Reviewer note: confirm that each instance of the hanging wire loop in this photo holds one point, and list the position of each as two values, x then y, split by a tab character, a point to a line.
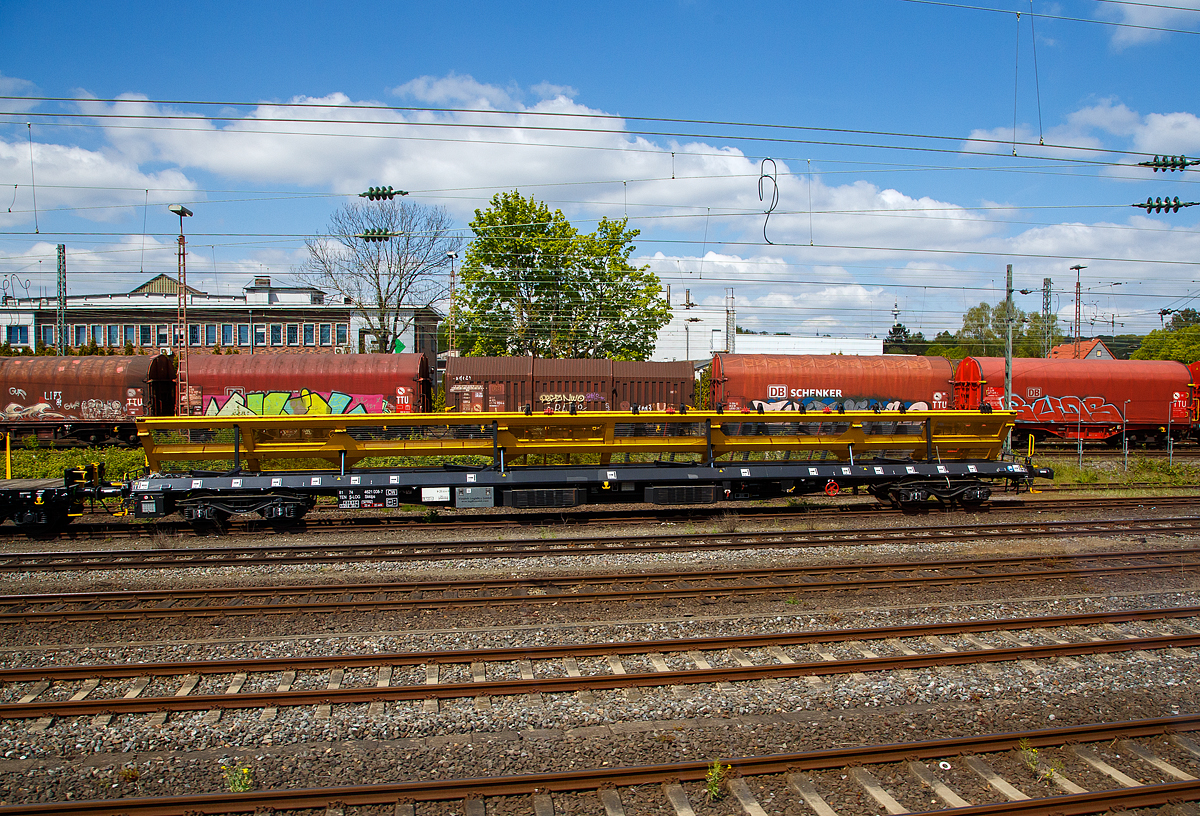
773	177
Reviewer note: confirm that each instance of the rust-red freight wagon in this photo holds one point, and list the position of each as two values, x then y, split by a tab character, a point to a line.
818	382
486	384
84	400
1084	399
272	384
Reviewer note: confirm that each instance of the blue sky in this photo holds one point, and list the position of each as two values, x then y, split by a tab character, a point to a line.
890	124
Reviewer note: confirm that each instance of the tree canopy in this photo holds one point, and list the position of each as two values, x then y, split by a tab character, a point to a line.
983	334
533	284
901	341
382	280
1181	344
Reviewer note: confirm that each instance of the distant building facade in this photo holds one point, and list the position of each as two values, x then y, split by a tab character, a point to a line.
264	319
697	332
1088	350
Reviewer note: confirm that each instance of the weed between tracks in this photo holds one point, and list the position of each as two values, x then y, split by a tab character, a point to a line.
716	780
1042	770
238	778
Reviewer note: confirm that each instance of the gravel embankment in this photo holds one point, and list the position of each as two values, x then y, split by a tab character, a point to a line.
75	758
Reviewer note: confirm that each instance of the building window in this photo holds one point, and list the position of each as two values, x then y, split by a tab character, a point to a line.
343	334
226	334
17	335
260	336
326	334
193	334
243	334
48	335
80	335
146	335
210	334
97	334
114	335
310	334
161	336
293	334
130	333
276	334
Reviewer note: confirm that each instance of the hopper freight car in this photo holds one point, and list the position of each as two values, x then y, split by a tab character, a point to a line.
1093	400
277	384
811	382
492	384
84	400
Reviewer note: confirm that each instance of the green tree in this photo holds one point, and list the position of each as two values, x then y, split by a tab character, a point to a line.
984	330
532	284
901	341
1164	344
1032	339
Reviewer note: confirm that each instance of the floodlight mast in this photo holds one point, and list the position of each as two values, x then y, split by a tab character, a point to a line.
180	339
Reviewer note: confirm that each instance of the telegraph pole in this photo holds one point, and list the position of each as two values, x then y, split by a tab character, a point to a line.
181	328
1076	269
1047	327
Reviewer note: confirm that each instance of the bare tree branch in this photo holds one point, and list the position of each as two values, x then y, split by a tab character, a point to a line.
383	280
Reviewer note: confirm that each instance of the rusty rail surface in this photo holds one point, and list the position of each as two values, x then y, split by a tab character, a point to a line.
443	691
604	778
594	588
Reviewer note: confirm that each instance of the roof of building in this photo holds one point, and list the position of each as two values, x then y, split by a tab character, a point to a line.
1066	351
162	285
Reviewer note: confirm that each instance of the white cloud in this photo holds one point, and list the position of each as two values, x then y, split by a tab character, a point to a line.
547	90
458	91
1094	127
13	86
91	184
1180	14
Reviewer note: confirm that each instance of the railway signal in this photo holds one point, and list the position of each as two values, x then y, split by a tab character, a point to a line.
1167	204
1170	163
380	234
380	193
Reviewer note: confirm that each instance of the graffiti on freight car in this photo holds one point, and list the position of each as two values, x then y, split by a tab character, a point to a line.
40	410
273	403
100	409
831	405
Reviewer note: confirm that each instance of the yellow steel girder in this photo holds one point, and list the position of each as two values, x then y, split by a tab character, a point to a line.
345	440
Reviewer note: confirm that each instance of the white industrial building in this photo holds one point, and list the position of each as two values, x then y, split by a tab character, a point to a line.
697	332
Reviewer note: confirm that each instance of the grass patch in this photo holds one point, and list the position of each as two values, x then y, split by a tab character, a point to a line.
1142	470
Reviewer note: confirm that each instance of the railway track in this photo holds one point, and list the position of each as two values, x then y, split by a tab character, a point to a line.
96	690
167	531
604	543
370	598
975	775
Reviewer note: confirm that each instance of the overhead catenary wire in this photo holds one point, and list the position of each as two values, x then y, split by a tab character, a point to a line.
568	116
1045	16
